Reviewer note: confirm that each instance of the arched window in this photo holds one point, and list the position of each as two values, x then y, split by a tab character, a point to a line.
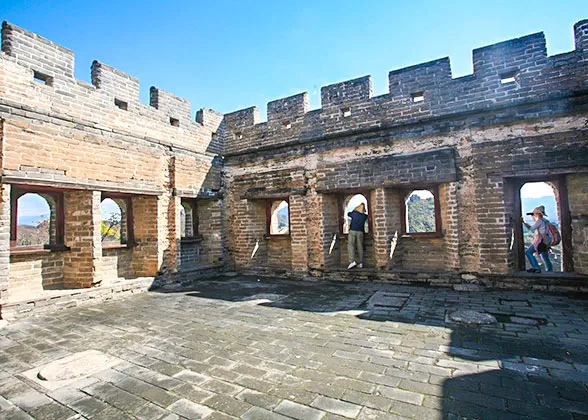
188	218
421	208
36	217
350	203
116	225
111	223
278	217
33	223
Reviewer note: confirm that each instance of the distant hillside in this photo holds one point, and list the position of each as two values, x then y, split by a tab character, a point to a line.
421	214
30	235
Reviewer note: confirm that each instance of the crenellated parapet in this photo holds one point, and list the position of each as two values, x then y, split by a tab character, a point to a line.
42	72
506	74
115	82
37	53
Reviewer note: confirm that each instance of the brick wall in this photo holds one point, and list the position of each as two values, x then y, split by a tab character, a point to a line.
30	275
578	196
536	77
87	139
81	265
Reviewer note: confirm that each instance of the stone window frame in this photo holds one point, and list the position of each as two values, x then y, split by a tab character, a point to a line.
55	201
268	218
341	201
127	239
195	237
404	194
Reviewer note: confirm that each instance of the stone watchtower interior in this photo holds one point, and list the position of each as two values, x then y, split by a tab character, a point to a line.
100	191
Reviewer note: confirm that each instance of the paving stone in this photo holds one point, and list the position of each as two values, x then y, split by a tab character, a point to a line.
191	377
88	407
298	411
258	399
257	413
227	405
30	399
341	408
400	395
189	409
370	414
151	412
221	387
15	414
53	411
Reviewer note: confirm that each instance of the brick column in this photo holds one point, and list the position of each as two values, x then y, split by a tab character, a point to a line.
147	258
82	263
386	221
379	220
4	241
298	234
173	249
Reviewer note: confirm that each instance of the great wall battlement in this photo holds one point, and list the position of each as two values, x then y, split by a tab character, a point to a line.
505	74
201	195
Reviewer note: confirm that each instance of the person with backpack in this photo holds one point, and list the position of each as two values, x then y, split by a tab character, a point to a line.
541	242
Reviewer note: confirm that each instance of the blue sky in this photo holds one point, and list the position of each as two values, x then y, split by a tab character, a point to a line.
229	55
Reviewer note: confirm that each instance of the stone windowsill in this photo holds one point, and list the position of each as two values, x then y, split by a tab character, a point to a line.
27	250
422	235
192	240
277	237
116	245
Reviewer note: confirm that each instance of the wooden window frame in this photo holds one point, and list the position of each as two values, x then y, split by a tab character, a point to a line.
128	199
268	218
341	201
405	193
55	244
196	237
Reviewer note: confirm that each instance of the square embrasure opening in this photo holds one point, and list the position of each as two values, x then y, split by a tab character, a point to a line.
417	97
120	104
42	78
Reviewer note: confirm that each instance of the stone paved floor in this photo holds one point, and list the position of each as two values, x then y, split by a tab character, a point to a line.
249	349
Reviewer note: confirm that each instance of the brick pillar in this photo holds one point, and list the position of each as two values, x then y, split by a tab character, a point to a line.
172	251
386	221
577	186
449	222
298	234
147	258
4	241
81	265
379	220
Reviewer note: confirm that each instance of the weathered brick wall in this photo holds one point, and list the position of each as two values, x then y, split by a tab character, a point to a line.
82	236
330	228
29	275
4	241
466	137
117	262
578	196
66	134
537	77
211	247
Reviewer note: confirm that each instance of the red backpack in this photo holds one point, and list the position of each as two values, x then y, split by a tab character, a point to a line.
552	236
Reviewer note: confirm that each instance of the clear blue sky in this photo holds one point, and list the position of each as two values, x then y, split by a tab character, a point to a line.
229	55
